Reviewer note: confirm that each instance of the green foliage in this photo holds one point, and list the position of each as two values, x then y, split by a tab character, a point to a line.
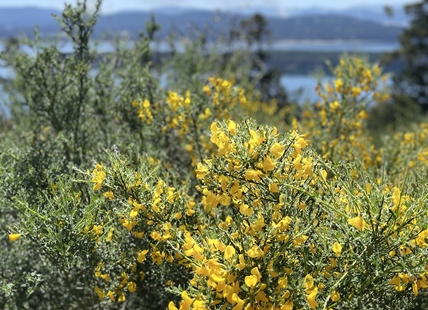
125	184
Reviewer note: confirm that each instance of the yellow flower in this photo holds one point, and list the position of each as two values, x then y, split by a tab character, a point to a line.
308	282
255	272
110	235
251	281
129	224
97	229
121	297
207	90
201	171
255	252
287	306
273	188
259	224
337	248
134	212
268	164
137	234
98	176
146	104
356	91
142	256
99	292
241	264
217	278
311	298
132	287
395	280
109	195
171	306
157	257
261	296
324	174
252	175
106	277
334	106
14	237
283	224
405	250
110	295
338	83
186	301
198	305
357	222
214	128
232	127
277	150
299	240
368	188
239	302
97	186
415	289
335	296
282	283
229	252
396	196
255	140
246	210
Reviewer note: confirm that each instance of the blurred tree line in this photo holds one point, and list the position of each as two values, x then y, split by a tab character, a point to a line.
255	32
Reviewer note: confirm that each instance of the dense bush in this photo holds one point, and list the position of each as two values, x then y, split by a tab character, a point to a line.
119	191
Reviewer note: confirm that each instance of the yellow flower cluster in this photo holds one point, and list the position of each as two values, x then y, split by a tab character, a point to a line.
336	124
144	111
150	211
265	238
412	149
249	176
98	176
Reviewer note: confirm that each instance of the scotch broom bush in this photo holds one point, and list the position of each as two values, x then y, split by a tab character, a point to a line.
119	191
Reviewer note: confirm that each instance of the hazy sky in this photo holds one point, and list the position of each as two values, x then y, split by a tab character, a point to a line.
282	5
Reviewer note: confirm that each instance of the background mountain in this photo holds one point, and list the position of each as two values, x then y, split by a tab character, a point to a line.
359	23
369	13
16	21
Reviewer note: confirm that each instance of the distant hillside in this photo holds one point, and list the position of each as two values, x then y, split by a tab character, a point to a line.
331	27
15	21
374	13
315	27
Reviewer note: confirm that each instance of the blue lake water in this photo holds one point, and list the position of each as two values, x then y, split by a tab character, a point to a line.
301	88
281	45
335	46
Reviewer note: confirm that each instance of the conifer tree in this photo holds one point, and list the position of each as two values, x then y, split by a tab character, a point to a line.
413	80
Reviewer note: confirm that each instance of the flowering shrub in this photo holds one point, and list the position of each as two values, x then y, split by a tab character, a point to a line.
339	131
200	196
281	235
